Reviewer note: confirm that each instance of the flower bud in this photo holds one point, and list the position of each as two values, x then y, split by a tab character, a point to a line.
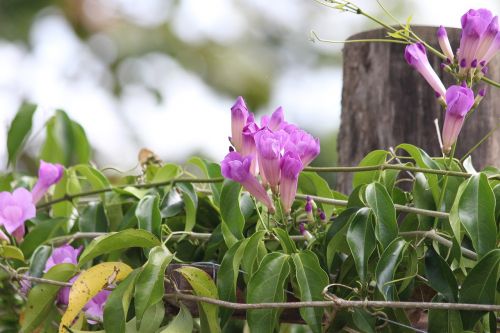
444	43
416	56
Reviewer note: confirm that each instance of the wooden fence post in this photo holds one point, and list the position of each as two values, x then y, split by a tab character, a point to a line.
385	102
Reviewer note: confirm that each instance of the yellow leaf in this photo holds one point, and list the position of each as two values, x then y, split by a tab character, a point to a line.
88	284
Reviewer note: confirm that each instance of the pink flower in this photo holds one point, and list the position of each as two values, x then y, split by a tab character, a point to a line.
444	43
269	149
248	147
290	166
237	168
239	116
474	25
15	209
65	254
459	101
416	56
95	307
305	145
48	175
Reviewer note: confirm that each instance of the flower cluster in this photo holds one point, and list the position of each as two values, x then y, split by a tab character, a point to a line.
275	150
479	43
19	206
66	254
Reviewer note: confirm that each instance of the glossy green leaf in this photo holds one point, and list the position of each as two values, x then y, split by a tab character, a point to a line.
386	268
151	321
183	322
233	221
11	252
40	233
117	241
211	170
41	297
361	239
363	320
440	276
203	285
267	285
479	286
386	227
313	184
148	214
375	157
117	304
422	198
167	172
38	260
190	204
81	146
254	252
335	238
19	130
93	219
311	280
445	321
476	211
496	192
149	286
422	160
95	178
69	184
286	242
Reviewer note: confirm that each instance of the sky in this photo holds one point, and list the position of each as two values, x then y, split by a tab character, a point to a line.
58	70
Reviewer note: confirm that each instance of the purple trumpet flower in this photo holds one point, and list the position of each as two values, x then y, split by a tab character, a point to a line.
269	146
95	307
239	116
416	56
248	147
474	25
444	43
237	168
48	175
459	101
277	120
65	254
15	209
291	166
305	145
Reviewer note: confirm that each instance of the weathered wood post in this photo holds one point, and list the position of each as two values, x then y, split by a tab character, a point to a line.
385	102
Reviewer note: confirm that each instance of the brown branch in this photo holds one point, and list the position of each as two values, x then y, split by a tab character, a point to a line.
336	303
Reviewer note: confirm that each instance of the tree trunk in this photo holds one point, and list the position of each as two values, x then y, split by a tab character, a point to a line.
385	102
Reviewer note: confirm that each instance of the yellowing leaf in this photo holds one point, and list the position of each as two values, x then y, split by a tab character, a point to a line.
88	284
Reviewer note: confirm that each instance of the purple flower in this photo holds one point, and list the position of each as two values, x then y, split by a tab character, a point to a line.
459	101
416	56
444	43
305	145
269	146
65	254
322	215
291	166
239	116
474	25
63	294
48	175
490	43
95	307
248	147
237	168
15	209
304	232
277	120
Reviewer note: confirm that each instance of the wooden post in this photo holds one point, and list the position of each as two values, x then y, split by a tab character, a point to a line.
385	102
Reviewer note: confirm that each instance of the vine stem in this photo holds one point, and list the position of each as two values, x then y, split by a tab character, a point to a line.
336	302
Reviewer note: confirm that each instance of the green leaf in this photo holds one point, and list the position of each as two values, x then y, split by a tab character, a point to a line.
38	260
311	280
190	204
267	285
386	227
117	241
286	243
183	322
375	157
41	297
93	219
254	252
440	276
476	211
233	221
422	198
19	130
81	146
69	184
95	178
211	170
496	192
40	233
227	276
361	239
479	286
11	252
363	320
152	318
117	304
422	160
386	268
149	286
203	285
336	235
149	215
313	184
445	321
167	172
